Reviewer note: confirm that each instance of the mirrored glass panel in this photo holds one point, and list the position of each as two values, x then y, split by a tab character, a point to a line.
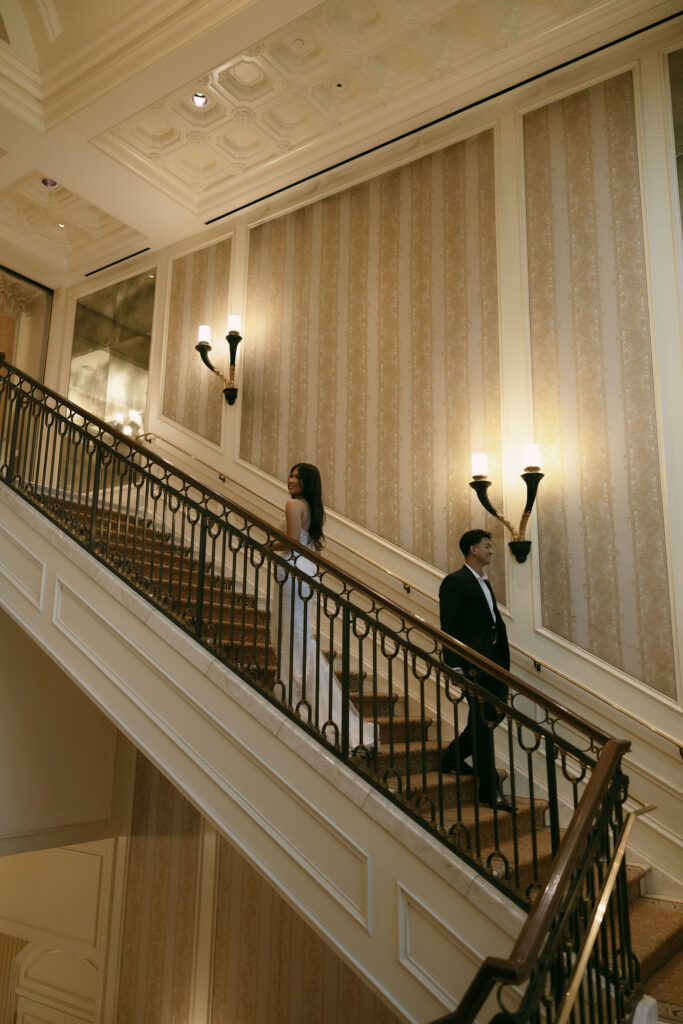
676	79
110	353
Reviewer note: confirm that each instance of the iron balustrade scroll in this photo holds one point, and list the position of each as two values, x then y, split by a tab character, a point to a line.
360	674
573	957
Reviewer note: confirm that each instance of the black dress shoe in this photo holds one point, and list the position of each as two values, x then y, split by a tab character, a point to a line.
497	801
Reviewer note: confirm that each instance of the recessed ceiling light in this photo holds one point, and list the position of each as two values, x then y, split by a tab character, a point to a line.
49	183
199	99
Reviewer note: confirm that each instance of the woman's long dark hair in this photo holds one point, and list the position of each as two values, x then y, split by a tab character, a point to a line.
312	492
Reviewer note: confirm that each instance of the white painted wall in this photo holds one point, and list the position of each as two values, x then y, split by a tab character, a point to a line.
63	764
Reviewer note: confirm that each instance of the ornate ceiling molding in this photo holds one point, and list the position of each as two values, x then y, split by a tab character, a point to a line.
21	90
148	33
68	229
342	77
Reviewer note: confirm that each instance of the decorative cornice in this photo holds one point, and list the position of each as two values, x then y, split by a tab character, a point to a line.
21	90
50	19
141	39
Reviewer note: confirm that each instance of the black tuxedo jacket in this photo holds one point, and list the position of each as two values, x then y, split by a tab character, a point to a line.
465	614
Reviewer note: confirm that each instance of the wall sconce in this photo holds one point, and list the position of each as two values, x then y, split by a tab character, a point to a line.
233	338
532	477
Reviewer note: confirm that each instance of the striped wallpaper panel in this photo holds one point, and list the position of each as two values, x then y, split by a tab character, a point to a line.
10	946
603	565
160	910
267	964
192	396
373	349
271	966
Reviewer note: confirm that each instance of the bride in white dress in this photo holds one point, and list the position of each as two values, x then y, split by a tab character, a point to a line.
314	691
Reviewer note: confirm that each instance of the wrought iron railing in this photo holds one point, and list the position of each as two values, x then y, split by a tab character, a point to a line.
572	959
362	675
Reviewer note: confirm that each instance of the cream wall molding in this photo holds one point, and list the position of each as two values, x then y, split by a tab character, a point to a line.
352	888
51	981
110	961
422	929
187	693
23	570
21	88
49	16
651	705
72	916
663	254
208	911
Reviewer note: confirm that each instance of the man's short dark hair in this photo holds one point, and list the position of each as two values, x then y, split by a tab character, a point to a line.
471	539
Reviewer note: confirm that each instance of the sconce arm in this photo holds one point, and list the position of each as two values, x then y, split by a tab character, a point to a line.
233	339
480	487
204	348
532	478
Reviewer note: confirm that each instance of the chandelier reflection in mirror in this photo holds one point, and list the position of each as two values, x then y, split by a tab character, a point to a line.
109	370
233	338
531	476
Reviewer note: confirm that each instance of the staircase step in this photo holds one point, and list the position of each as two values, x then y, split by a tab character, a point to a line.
495	827
656	932
666	986
384	702
397	756
400	726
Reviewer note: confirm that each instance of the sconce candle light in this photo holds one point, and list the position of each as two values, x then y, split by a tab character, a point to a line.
531	476
233	338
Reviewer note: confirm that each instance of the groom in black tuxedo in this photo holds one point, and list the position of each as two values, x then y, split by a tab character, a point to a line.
470	614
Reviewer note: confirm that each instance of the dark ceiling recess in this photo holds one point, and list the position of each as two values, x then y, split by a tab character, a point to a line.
445	117
114	262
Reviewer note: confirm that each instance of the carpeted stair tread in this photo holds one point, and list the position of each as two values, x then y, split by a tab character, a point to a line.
656	933
666	986
495	826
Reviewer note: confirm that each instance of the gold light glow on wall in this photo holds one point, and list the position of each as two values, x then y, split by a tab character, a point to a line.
531	476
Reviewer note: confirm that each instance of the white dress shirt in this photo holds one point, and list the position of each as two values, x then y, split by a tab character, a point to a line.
482	581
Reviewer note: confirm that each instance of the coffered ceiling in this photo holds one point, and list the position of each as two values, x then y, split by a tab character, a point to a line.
96	95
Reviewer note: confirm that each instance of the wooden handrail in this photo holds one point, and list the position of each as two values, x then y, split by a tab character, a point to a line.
410	587
439	638
518	966
598	916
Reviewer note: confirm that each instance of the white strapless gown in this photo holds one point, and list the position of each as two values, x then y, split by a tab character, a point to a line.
315	692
